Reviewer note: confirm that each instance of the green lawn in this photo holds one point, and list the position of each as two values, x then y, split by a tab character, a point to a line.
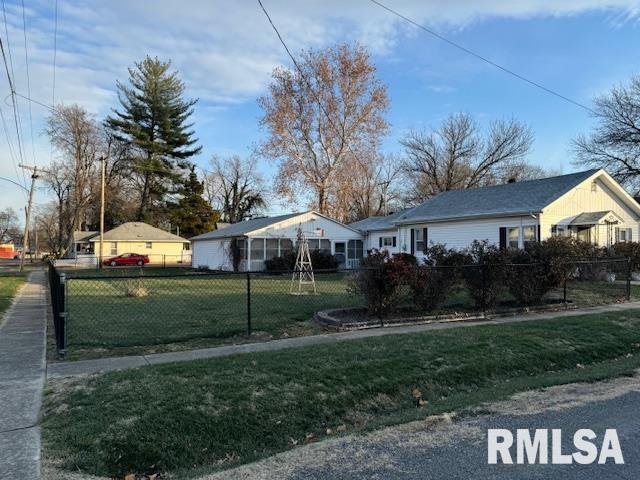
201	310
190	311
9	285
195	417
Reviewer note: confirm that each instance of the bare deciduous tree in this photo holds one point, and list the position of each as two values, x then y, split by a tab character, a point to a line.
615	142
9	226
77	138
457	155
235	188
321	121
374	188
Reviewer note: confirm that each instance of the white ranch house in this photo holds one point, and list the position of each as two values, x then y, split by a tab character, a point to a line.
269	237
588	205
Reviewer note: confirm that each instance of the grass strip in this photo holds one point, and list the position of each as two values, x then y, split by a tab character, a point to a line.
195	417
9	286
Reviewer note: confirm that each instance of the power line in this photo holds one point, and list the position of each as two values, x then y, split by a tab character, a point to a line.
484	59
32	100
10	77
316	97
11	152
55	55
26	61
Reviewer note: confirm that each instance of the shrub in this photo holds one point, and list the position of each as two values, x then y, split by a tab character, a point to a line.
536	270
280	264
430	286
483	273
431	283
379	279
319	260
631	250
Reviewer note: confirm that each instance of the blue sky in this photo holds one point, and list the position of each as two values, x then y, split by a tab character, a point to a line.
225	50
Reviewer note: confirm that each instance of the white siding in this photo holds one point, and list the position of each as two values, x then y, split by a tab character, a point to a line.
587	198
213	254
309	222
460	234
373	240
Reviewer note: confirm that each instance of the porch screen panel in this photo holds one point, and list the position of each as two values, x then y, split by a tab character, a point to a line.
286	246
325	246
272	248
257	249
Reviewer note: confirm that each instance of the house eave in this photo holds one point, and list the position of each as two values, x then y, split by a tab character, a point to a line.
414	221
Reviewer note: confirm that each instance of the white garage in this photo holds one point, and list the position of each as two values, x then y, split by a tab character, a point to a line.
260	239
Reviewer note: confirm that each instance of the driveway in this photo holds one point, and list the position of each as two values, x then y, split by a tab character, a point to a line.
449	448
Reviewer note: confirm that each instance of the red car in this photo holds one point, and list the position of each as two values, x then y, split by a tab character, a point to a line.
127	259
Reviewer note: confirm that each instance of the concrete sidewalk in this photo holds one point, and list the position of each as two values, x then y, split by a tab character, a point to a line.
85	367
22	376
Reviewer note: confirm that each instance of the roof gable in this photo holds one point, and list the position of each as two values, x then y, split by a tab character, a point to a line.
255	225
509	199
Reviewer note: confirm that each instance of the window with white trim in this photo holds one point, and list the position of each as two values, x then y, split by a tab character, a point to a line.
529	234
388	241
513	237
419	238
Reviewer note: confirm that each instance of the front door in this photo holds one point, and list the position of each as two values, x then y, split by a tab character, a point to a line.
340	251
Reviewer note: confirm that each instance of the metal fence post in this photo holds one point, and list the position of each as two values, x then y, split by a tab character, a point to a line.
248	304
628	278
62	331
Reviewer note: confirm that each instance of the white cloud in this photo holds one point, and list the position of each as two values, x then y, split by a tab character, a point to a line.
225	49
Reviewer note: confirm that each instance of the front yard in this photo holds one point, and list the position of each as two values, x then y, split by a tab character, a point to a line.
190	418
179	312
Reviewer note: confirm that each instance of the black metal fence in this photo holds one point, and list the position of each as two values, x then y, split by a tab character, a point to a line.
125	309
58	307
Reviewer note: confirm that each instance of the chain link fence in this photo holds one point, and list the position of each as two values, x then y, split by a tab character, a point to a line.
110	309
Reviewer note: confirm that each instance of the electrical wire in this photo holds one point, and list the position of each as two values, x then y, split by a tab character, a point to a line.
295	63
10	76
55	55
11	151
26	62
482	58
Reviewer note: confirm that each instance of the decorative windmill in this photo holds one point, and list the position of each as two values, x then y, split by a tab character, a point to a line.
303	281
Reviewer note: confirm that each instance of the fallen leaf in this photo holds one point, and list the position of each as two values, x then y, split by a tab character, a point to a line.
130	476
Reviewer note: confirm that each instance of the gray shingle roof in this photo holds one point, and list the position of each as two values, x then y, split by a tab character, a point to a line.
242	228
508	199
380	222
588	218
141	232
80	236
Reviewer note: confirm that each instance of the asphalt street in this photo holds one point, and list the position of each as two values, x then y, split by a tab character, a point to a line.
457	449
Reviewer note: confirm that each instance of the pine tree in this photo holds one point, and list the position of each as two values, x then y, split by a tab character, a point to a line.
153	121
192	213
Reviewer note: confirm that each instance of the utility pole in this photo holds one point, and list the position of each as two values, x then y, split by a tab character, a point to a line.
102	181
25	241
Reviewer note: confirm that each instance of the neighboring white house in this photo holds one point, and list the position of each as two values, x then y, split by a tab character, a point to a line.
265	238
588	205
